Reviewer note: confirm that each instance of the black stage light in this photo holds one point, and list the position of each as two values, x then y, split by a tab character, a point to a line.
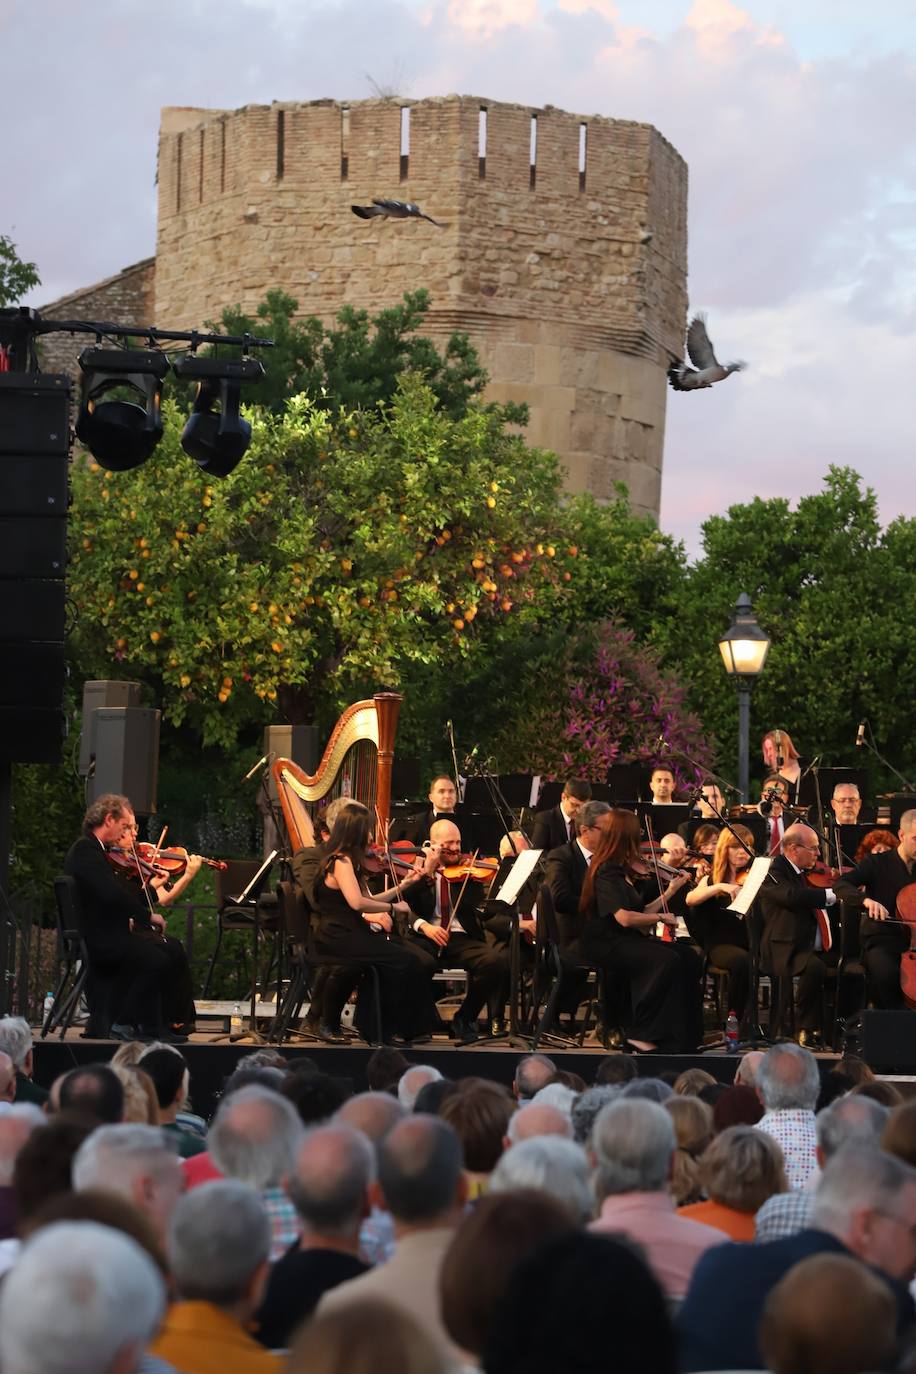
121	434
217	439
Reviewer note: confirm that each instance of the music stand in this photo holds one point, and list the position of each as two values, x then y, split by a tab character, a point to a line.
900	802
244	913
624	780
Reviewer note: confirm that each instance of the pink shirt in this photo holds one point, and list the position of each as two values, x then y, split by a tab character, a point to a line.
672	1244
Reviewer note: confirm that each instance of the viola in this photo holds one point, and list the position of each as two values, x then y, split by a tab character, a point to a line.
175	860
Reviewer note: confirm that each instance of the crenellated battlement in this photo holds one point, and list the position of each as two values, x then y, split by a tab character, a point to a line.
543	261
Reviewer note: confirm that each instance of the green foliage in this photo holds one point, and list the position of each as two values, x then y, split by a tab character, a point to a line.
16	277
356	366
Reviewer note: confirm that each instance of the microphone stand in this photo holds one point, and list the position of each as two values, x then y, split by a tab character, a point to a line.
870	744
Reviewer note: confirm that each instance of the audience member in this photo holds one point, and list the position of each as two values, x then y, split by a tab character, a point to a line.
141	1105
615	1070
854	1067
550	1165
253	1139
44	1165
865	1206
218	1247
108	1210
82	1299
537	1118
788	1081
432	1095
372	1113
693	1132
384	1069
829	1314
421	1182
833	1085
879	1090
574	1081
369	1336
739	1170
491	1241
315	1096
415	1078
137	1163
7	1082
533	1072
479	1112
574	1297
557	1095
748	1064
848	1121
647	1089
16	1126
587	1106
633	1144
93	1091
329	1189
739	1105
168	1071
689	1083
899	1133
16	1041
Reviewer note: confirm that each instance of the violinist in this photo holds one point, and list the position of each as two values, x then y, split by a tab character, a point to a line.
882	876
664	979
446	925
721	933
150	985
565	870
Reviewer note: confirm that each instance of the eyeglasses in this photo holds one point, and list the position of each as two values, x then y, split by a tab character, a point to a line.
813	848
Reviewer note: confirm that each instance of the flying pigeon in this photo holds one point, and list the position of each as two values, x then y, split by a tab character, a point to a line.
706	368
393	209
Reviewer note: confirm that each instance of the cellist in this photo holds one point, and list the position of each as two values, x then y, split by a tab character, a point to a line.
882	877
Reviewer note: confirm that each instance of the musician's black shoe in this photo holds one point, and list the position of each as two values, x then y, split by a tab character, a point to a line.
332	1035
121	1031
461	1031
172	1037
810	1040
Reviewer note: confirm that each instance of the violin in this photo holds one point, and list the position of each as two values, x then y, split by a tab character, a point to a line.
470	866
400	854
145	861
823	876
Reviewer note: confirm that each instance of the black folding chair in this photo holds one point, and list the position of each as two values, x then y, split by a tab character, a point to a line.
77	974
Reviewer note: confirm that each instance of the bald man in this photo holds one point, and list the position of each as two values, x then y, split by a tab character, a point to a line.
447	930
797	936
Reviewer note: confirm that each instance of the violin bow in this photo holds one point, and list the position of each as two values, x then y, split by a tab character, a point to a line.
668	933
453	906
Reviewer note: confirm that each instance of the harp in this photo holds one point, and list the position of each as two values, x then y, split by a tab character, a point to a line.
356	763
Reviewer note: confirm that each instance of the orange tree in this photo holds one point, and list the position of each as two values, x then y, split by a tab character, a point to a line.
345	552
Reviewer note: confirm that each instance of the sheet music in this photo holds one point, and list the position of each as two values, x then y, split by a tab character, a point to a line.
752	885
518	875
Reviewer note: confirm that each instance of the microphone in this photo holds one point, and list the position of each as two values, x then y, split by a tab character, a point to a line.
260	764
765	805
860	734
469	758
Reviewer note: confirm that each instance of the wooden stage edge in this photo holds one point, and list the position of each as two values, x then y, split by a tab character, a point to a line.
211	1060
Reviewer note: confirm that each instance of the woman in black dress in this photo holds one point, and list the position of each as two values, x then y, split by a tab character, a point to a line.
358	929
664	979
722	933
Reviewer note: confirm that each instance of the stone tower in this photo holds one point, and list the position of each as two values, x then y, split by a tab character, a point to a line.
544	260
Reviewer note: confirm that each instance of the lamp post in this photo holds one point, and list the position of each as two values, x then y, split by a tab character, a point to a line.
744	648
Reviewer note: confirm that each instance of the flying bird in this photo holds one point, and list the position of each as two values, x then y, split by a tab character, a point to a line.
394	209
706	368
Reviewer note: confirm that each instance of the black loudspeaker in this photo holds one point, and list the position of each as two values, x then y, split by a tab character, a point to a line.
32	610
888	1041
126	746
297	742
32	675
96	694
32	547
36	485
31	736
34	413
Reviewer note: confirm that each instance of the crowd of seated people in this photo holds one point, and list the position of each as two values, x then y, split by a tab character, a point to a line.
434	1226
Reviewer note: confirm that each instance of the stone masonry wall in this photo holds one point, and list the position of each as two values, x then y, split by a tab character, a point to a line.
128	298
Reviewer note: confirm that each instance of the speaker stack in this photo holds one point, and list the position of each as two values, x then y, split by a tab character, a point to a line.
34	456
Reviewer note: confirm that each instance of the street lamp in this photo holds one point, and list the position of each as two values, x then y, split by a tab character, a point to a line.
744	648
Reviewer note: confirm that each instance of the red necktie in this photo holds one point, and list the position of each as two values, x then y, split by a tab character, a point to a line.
774	837
445	901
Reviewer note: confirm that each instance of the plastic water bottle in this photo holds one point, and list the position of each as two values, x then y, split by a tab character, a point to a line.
48	1004
235	1020
731	1032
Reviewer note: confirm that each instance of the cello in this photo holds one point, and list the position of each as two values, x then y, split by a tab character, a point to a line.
906	912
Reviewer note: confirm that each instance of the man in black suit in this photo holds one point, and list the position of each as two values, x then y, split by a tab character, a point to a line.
150	994
557	825
883	876
447	930
797	936
443	801
865	1207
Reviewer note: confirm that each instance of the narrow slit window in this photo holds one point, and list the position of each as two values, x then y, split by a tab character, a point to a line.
281	144
178	151
482	143
533	155
344	142
222	155
583	154
200	184
405	141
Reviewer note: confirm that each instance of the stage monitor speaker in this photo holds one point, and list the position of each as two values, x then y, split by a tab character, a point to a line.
297	742
888	1043
32	546
31	735
35	485
126	744
96	694
34	413
32	675
32	608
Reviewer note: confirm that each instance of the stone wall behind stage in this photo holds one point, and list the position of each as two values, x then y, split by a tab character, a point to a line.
541	261
128	298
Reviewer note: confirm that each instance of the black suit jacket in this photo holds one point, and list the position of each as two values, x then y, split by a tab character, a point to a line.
788	905
549	829
416	828
108	902
421	898
566	870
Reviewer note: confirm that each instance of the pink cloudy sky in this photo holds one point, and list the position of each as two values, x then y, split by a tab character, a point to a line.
796	120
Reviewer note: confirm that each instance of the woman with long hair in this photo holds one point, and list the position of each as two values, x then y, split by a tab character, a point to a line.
359	929
664	979
720	932
780	756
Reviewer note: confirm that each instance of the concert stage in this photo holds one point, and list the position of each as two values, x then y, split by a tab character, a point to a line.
211	1061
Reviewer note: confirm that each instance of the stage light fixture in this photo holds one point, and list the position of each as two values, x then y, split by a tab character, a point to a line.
217	438
120	434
